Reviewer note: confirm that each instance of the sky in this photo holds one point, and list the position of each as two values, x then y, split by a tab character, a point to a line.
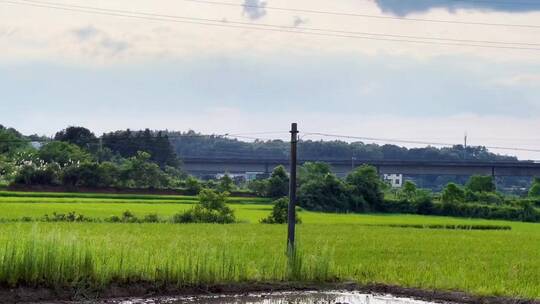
185	64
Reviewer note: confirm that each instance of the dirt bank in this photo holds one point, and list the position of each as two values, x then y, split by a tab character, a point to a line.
82	295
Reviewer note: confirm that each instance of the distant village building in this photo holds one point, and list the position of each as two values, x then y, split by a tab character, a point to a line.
248	176
395	180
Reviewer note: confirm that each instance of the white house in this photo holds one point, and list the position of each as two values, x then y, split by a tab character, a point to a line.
395	180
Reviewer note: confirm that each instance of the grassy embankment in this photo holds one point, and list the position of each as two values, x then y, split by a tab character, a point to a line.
333	247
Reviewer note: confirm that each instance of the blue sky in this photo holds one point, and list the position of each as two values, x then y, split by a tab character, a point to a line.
403	8
62	68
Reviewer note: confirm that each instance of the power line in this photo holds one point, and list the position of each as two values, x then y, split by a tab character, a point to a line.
282	29
311	11
284	26
415	142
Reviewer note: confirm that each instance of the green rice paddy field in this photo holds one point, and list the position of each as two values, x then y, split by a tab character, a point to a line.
343	247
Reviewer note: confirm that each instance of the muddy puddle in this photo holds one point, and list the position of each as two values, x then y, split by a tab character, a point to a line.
333	297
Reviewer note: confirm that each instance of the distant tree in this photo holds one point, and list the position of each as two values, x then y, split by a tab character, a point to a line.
140	172
195	144
11	141
86	174
79	136
42	174
366	184
423	201
91	174
313	170
534	192
6	168
226	184
109	174
63	153
408	191
258	186
453	193
479	183
193	185
326	193
128	143
278	183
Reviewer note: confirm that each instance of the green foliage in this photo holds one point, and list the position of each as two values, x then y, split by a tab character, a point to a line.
279	213
195	144
11	141
211	209
453	193
259	187
484	197
328	193
278	183
79	136
534	192
32	174
192	185
69	217
366	186
63	153
423	201
479	183
408	191
140	172
226	184
213	200
129	143
312	170
7	170
84	175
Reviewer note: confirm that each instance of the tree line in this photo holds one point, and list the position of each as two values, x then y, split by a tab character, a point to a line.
124	159
363	191
193	144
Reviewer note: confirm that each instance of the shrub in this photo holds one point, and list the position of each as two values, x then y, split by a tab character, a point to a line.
453	193
259	187
193	186
280	213
424	203
327	193
226	184
31	174
83	175
366	186
408	192
211	209
70	217
278	183
489	198
151	218
534	192
480	183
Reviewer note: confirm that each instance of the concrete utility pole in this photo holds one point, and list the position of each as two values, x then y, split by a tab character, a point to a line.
292	190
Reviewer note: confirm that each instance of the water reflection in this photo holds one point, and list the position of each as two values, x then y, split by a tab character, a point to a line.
281	298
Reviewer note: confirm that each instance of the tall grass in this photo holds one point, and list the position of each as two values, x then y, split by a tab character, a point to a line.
500	262
55	262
